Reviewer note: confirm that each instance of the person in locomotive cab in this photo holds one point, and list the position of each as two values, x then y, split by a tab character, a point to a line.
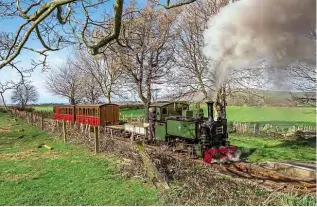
152	115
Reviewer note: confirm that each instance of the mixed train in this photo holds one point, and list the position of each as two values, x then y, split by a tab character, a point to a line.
169	122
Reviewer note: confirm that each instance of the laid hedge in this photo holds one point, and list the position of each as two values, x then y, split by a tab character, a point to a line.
27	109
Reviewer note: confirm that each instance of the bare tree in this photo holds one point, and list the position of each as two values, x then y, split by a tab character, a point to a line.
146	52
302	75
193	71
56	23
4	87
23	94
66	82
103	70
91	92
303	79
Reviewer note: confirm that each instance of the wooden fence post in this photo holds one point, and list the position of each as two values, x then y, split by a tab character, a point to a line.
64	131
32	118
256	128
42	121
96	133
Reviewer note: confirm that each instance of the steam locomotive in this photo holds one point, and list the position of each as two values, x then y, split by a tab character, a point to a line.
188	130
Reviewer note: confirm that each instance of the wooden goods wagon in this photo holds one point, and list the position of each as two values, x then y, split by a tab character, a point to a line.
64	112
97	115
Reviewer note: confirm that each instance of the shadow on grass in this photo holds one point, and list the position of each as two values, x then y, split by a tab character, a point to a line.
281	123
246	152
298	142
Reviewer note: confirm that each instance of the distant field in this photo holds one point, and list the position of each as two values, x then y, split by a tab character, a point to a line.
43	108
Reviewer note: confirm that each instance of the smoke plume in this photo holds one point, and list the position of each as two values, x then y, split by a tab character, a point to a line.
247	30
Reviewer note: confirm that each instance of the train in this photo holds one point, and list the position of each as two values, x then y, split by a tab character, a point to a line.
172	123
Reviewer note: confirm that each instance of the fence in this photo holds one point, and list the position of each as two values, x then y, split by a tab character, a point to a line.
271	130
94	137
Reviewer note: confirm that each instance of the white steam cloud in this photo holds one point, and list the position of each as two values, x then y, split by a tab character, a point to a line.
247	30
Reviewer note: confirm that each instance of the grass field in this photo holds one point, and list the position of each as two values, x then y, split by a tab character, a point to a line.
270	149
71	175
66	175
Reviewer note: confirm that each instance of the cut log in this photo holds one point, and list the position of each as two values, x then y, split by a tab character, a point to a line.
153	174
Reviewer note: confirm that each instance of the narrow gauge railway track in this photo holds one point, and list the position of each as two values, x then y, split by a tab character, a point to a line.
253	172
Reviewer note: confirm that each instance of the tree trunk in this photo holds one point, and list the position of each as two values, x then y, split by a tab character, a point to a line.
109	97
4	103
72	101
22	105
146	111
148	99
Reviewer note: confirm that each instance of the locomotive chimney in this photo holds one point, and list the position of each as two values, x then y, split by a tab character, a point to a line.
210	110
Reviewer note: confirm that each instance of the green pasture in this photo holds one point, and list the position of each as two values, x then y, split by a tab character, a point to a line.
66	175
261	149
43	108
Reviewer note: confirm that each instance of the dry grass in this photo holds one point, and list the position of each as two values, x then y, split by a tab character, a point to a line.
18	177
31	155
5	129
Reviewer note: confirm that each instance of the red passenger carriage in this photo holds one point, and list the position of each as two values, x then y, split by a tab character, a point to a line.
94	115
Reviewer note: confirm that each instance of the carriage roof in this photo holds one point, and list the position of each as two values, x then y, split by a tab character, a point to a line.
162	104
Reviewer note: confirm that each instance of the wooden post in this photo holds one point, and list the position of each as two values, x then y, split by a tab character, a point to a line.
96	139
256	128
42	121
64	131
31	117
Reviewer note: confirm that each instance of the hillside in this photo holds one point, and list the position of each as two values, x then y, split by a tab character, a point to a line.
250	97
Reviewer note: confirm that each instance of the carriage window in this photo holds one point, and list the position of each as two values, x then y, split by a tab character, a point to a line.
164	111
94	112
